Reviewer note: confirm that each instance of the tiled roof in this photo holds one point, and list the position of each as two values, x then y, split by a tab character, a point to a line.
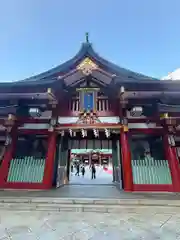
87	50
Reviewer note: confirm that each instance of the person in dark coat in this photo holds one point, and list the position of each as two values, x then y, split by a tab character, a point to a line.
77	169
72	168
83	170
93	171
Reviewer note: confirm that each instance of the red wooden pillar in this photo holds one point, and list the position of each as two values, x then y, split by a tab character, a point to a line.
173	164
49	164
126	161
8	157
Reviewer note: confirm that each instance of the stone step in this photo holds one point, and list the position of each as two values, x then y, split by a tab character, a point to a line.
91	201
88	204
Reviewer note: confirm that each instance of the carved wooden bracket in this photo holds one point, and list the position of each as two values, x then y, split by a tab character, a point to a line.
172	129
10	120
124	121
53	103
123	101
88	117
169	122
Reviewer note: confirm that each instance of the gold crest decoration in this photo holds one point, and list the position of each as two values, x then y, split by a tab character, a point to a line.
87	66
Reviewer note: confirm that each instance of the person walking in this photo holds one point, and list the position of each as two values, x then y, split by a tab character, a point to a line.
93	171
77	169
83	170
72	168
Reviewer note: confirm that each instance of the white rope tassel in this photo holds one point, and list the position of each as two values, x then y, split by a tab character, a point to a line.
107	132
96	133
83	133
70	132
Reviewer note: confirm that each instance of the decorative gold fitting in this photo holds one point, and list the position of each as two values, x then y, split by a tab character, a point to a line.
164	116
125	128
87	66
11	117
122	90
49	91
87	89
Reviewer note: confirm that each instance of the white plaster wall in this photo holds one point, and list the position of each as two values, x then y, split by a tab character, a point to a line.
35	126
142	125
67	120
109	119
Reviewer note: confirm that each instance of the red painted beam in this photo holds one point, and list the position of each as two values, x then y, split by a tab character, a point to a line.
144	120
33	120
153	131
33	131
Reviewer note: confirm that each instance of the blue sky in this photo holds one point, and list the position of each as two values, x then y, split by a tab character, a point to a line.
36	35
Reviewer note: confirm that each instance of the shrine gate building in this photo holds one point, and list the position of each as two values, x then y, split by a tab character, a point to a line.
90	103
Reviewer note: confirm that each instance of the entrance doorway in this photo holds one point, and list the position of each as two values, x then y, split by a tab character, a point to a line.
103	153
87	160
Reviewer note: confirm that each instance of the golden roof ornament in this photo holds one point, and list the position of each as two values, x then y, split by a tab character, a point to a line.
87	66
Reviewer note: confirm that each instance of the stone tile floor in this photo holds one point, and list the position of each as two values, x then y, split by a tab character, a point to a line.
89	191
90	226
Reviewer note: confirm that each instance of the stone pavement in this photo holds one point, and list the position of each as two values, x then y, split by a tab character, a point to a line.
89	191
148	225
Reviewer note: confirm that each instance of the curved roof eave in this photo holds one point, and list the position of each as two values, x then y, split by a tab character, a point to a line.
13	85
60	68
87	50
116	69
